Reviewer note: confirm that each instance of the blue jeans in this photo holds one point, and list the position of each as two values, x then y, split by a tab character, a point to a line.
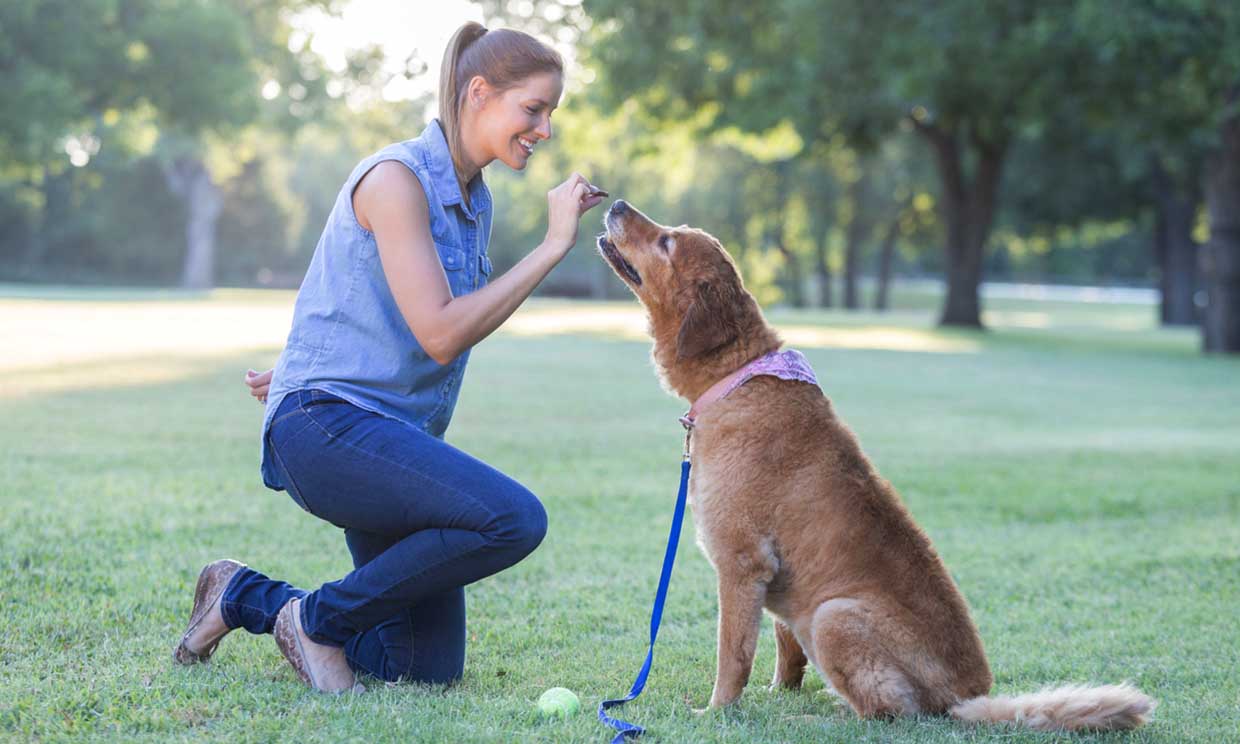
421	519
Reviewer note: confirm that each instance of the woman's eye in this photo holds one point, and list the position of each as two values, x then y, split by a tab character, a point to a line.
531	110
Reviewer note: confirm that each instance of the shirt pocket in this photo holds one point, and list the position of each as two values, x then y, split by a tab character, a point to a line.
453	260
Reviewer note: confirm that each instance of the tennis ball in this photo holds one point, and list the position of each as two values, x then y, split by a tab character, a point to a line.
559	702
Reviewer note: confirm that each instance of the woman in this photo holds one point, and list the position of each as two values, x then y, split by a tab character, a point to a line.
396	295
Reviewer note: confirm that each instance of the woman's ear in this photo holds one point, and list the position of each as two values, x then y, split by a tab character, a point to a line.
478	92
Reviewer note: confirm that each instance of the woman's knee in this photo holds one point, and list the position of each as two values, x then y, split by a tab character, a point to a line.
438	669
399	657
522	524
434	669
531	523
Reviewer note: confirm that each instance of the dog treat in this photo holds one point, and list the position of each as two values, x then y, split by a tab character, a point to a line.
596	191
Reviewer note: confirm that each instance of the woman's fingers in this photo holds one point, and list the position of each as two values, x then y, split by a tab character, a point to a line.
566	203
576	178
580	189
591	201
259	383
255	379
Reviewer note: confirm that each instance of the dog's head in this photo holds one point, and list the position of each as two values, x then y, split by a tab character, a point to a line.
698	306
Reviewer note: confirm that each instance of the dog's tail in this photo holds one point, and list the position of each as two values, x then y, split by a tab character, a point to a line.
1069	708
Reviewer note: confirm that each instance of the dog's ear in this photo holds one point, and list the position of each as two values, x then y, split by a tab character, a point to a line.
710	321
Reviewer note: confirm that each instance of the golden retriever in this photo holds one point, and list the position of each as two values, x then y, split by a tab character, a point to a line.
794	517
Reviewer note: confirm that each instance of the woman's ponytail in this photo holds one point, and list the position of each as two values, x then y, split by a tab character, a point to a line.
452	82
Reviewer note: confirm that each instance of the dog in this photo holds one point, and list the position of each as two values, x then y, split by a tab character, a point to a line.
795	519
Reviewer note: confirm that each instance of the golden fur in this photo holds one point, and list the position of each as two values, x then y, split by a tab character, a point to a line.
795	519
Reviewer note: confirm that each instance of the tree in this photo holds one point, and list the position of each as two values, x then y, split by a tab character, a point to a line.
191	70
1177	197
1078	203
1221	260
1178	66
968	77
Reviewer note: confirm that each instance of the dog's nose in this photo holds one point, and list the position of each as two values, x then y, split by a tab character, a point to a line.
620	206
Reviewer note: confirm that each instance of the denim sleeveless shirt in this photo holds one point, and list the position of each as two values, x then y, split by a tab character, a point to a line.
348	336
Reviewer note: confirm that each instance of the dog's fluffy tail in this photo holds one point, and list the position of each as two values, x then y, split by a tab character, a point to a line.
1069	708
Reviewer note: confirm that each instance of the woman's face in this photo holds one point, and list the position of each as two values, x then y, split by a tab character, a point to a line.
511	123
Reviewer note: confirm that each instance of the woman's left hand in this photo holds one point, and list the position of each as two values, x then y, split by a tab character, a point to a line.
260	383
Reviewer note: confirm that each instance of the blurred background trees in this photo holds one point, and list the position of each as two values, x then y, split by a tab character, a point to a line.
830	145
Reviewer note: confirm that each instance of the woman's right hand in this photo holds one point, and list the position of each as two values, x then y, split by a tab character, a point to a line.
259	383
565	205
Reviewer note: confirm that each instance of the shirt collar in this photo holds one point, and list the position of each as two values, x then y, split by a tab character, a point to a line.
443	173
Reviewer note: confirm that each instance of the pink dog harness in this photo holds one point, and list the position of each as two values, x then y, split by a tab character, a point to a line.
789	364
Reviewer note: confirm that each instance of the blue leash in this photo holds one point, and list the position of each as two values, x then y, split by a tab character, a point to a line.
631	730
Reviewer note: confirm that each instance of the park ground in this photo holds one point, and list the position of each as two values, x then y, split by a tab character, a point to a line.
1077	467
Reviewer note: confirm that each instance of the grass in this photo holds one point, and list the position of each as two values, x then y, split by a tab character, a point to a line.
1076	467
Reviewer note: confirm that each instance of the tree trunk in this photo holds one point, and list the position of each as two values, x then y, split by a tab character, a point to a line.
886	253
822	271
854	238
1220	259
794	279
968	211
820	228
189	179
1174	248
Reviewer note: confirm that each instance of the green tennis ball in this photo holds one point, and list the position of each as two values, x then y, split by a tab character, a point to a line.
558	702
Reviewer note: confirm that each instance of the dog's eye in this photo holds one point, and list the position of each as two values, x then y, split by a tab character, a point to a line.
665	242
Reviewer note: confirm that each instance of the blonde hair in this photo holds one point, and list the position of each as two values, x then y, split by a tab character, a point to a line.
502	57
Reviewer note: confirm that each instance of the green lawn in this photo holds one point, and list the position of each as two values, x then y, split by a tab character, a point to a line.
1078	469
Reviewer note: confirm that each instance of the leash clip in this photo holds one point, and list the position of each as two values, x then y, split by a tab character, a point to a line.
687	422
